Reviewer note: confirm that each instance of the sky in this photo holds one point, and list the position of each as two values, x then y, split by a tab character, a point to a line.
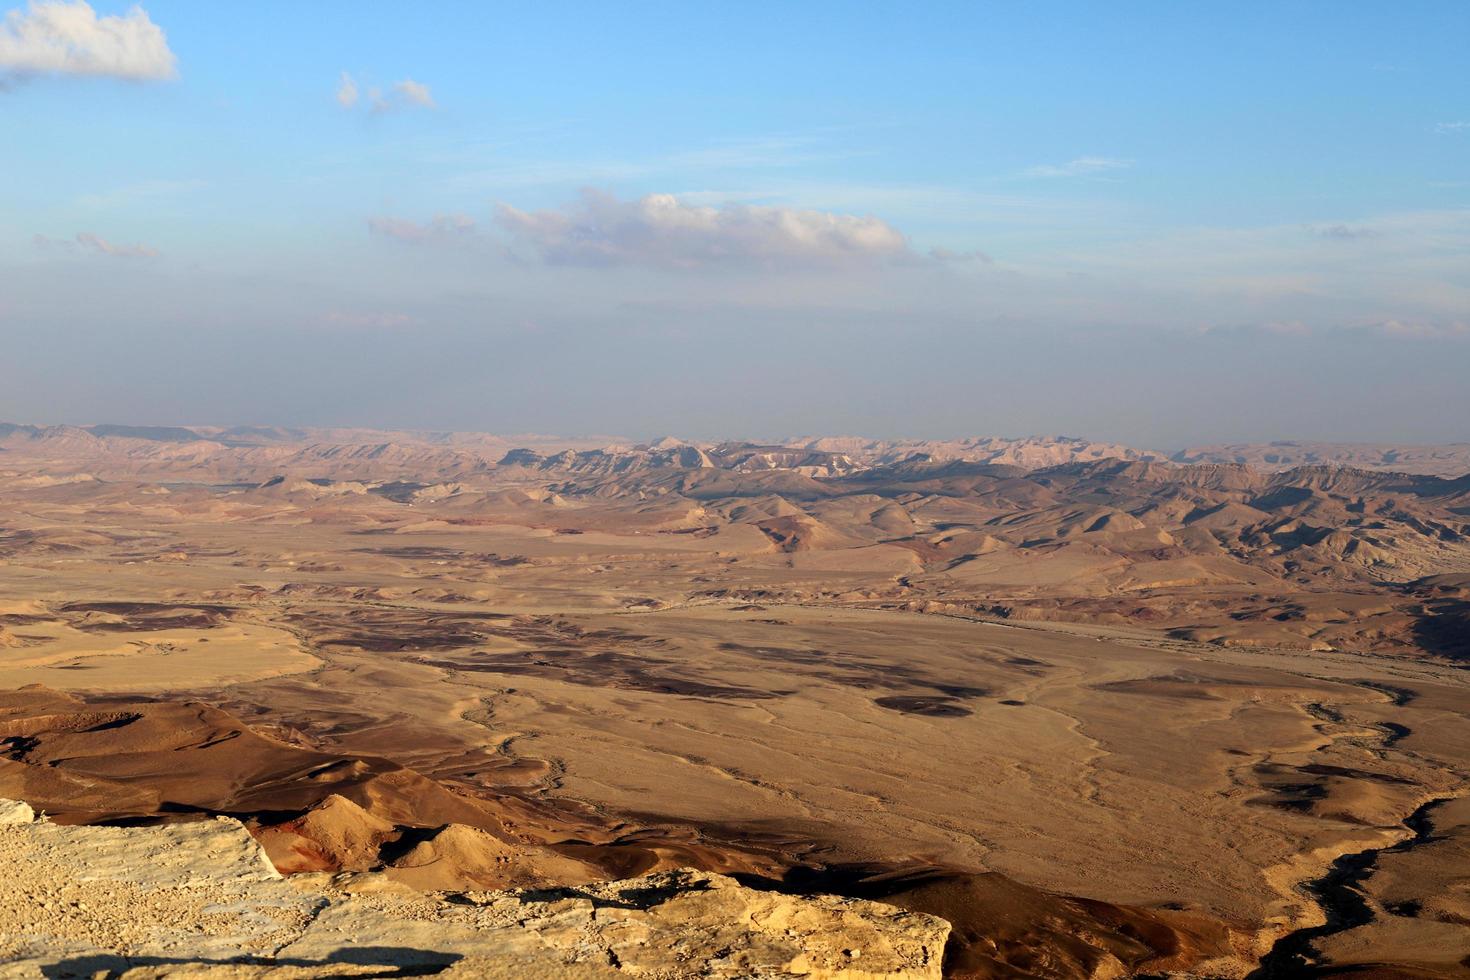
1159	223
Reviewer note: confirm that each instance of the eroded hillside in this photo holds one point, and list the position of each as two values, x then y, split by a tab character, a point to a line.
1101	714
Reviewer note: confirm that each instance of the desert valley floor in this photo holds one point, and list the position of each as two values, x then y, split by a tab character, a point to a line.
1107	713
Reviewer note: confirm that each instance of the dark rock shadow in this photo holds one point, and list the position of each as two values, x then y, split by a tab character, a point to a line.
396	961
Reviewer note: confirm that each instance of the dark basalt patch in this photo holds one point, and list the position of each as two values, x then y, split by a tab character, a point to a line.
14	543
401	630
850	670
603	669
411	551
22	619
143	608
142	617
697	532
930	707
433	553
404	642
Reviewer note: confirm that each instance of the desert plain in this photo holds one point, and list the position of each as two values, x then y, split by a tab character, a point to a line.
1105	711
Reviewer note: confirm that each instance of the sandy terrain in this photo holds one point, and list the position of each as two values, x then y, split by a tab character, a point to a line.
67	658
1146	704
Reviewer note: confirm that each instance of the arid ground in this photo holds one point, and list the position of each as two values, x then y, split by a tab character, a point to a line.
1100	709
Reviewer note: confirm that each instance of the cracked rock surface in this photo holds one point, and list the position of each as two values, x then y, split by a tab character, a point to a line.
201	900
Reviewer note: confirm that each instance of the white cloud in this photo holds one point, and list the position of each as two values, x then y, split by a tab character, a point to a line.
441	226
68	38
415	92
1080	167
659	229
346	91
96	243
403	94
1452	127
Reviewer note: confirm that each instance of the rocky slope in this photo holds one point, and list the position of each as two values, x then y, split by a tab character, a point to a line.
369	827
201	899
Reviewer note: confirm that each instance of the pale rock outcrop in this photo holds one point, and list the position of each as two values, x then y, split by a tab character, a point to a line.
201	900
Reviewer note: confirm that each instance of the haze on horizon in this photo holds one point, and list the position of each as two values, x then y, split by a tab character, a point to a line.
1154	224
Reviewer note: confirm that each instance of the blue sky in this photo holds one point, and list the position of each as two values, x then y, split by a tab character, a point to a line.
722	219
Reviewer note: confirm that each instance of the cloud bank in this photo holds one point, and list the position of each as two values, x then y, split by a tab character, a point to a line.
661	230
55	37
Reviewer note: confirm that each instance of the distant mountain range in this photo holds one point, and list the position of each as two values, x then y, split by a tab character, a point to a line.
253	453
